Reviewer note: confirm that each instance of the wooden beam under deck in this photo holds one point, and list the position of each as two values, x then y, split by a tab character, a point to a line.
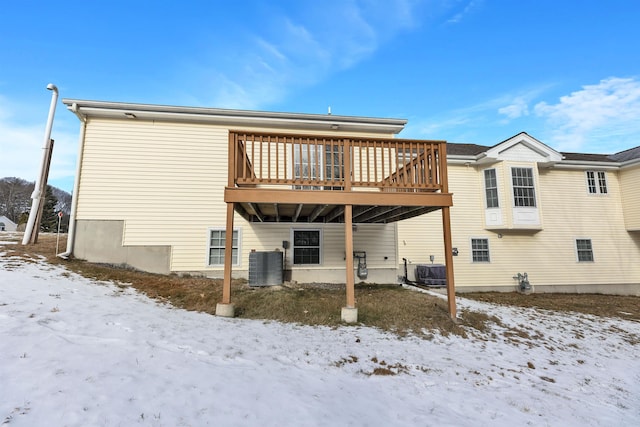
354	198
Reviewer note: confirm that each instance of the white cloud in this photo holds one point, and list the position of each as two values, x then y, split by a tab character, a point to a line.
478	123
517	108
302	50
468	8
599	115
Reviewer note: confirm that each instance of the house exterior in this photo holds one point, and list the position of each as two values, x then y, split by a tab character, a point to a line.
6	224
571	221
159	188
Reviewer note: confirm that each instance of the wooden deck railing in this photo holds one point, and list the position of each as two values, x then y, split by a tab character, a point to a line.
335	163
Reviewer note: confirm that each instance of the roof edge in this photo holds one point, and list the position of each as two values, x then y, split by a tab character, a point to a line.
154	111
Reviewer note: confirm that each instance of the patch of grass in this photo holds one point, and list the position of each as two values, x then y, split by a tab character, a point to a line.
621	306
385	369
388	307
346	360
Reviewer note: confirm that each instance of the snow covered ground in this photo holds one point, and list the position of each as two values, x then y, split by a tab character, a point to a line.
75	352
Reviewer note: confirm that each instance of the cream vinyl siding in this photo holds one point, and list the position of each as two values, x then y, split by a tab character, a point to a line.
572	213
630	189
421	236
377	240
547	255
166	182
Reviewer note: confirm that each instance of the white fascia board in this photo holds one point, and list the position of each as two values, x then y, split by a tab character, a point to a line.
454	159
583	165
244	118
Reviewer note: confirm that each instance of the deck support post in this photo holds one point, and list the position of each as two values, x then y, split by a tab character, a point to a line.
225	308
350	312
448	256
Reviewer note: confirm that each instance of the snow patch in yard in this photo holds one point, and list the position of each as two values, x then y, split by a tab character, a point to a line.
76	352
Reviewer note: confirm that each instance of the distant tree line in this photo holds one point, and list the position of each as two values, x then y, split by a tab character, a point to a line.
15	204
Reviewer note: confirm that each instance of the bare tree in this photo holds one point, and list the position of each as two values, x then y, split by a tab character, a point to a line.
15	199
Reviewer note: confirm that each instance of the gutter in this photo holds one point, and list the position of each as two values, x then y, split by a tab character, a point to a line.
76	185
585	164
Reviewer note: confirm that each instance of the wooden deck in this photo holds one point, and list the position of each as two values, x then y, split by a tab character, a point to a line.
313	178
310	178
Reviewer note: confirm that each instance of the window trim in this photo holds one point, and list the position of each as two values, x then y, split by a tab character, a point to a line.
320	246
598	177
486	189
532	187
238	262
578	250
472	252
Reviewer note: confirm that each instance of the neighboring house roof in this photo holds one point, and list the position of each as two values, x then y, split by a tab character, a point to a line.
454	149
587	157
462	152
627	155
8	224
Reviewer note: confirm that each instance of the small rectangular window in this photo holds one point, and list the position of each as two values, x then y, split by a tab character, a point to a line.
217	239
524	194
480	250
597	182
306	247
491	188
584	250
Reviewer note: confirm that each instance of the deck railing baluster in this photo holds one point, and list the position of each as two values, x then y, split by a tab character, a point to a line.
387	164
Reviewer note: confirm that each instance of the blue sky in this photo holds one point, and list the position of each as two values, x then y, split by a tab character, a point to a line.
476	71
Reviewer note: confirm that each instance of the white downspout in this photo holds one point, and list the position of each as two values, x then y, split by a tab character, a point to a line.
38	188
76	185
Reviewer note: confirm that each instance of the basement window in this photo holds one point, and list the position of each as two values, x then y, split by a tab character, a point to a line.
480	250
584	250
306	247
217	240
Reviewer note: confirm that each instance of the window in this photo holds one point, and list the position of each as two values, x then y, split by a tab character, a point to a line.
306	247
524	194
597	182
318	162
217	240
304	161
491	188
584	250
334	164
480	250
